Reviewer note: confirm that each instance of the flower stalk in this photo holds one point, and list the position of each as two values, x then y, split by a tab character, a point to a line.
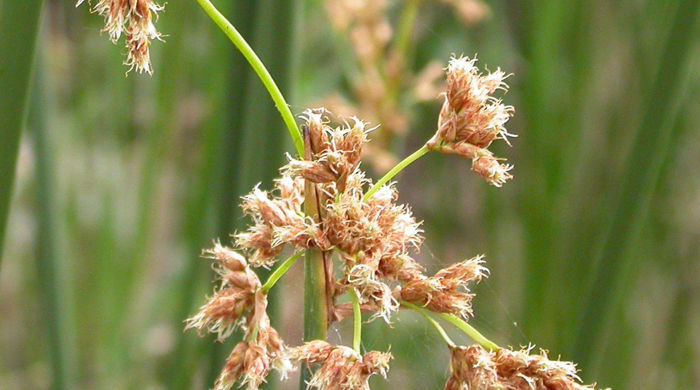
257	65
431	320
356	321
280	271
396	170
470	331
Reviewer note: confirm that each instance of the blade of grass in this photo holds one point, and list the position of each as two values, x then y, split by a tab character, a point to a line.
19	25
639	179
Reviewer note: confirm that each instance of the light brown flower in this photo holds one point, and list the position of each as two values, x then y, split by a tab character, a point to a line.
441	293
341	368
471	118
134	19
224	311
278	221
476	368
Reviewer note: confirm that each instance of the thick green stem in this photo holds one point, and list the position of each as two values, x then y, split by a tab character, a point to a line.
432	321
356	321
280	271
395	170
259	69
470	331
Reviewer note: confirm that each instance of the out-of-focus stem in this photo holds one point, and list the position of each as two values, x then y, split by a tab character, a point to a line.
259	69
395	170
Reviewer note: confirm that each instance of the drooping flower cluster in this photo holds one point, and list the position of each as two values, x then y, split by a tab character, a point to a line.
474	367
340	368
134	19
241	302
471	119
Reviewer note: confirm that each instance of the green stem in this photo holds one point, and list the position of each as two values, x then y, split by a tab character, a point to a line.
432	321
356	321
280	271
470	331
259	69
395	170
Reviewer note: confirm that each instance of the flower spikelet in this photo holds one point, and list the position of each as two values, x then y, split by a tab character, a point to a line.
336	151
362	278
241	301
341	368
279	221
471	118
474	367
134	19
224	311
441	293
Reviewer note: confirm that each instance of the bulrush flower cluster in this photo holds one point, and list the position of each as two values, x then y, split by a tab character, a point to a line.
323	202
340	368
134	19
471	118
474	367
241	302
440	293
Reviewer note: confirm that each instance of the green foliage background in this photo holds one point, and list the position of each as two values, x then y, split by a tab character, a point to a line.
120	181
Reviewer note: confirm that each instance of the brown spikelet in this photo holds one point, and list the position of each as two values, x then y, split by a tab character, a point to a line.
341	368
471	118
474	367
441	293
134	19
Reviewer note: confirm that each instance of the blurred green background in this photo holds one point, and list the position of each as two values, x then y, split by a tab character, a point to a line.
120	181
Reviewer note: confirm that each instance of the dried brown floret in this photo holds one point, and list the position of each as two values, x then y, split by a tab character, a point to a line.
279	221
474	367
440	293
134	19
224	312
471	118
341	368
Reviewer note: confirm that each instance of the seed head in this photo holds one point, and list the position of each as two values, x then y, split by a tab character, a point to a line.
441	292
134	19
341	368
474	367
471	118
278	221
224	311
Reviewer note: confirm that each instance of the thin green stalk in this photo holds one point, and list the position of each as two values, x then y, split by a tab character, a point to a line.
356	321
259	69
438	328
19	24
280	271
470	331
395	170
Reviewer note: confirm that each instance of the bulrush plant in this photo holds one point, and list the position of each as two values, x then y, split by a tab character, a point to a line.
357	241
